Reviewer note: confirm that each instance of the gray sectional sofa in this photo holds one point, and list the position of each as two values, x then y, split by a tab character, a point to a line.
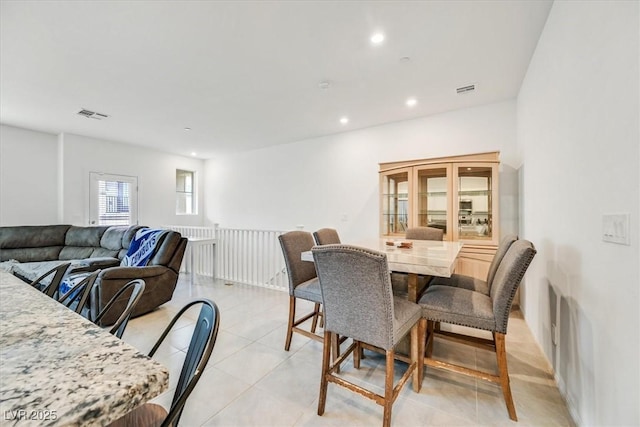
30	249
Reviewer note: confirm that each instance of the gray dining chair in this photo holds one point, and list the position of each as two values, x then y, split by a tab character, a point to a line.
472	283
424	233
399	281
477	310
303	284
359	304
326	236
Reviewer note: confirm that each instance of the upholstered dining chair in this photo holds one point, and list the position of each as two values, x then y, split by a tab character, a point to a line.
359	304
424	233
50	281
326	236
473	309
200	348
122	305
399	281
303	284
479	285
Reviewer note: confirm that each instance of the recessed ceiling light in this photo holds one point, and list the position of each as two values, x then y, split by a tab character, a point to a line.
193	153
411	102
187	129
325	84
344	120
405	59
377	38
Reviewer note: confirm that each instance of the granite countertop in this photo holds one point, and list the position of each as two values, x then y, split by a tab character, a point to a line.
58	368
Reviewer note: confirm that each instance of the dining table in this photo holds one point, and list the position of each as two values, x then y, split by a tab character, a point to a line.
58	368
416	258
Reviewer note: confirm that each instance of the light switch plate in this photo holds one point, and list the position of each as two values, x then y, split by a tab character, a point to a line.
615	228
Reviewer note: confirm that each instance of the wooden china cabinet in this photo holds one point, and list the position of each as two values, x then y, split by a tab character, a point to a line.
457	194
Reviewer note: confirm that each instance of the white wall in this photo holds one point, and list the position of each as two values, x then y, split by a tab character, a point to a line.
28	177
578	126
155	170
56	174
333	181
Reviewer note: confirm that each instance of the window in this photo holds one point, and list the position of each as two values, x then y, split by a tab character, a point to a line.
113	199
185	192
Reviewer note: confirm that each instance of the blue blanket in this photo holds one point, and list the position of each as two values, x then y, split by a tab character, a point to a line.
68	283
142	247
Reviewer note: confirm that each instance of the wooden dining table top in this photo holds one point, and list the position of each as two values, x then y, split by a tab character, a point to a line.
58	368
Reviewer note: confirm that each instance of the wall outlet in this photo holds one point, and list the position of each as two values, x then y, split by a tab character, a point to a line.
615	228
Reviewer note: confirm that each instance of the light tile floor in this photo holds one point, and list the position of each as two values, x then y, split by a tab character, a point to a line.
251	381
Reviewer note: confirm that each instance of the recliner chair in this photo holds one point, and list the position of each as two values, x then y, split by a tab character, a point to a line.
160	276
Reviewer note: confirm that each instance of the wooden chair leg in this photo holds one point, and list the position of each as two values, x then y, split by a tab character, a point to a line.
314	322
430	338
418	333
388	389
335	349
501	356
326	354
292	315
357	353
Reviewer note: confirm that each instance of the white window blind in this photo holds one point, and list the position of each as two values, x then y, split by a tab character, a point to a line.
113	203
113	200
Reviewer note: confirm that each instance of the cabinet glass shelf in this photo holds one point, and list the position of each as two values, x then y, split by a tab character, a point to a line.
433	213
433	193
474	193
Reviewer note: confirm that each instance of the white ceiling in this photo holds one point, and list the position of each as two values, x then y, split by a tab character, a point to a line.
245	75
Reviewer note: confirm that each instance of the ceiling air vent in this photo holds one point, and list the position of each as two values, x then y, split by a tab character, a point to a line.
466	89
92	114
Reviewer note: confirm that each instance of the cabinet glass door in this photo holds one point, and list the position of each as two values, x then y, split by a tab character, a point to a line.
433	201
476	203
395	202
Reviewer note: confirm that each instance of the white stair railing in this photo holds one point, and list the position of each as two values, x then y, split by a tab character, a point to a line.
203	256
244	256
251	256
